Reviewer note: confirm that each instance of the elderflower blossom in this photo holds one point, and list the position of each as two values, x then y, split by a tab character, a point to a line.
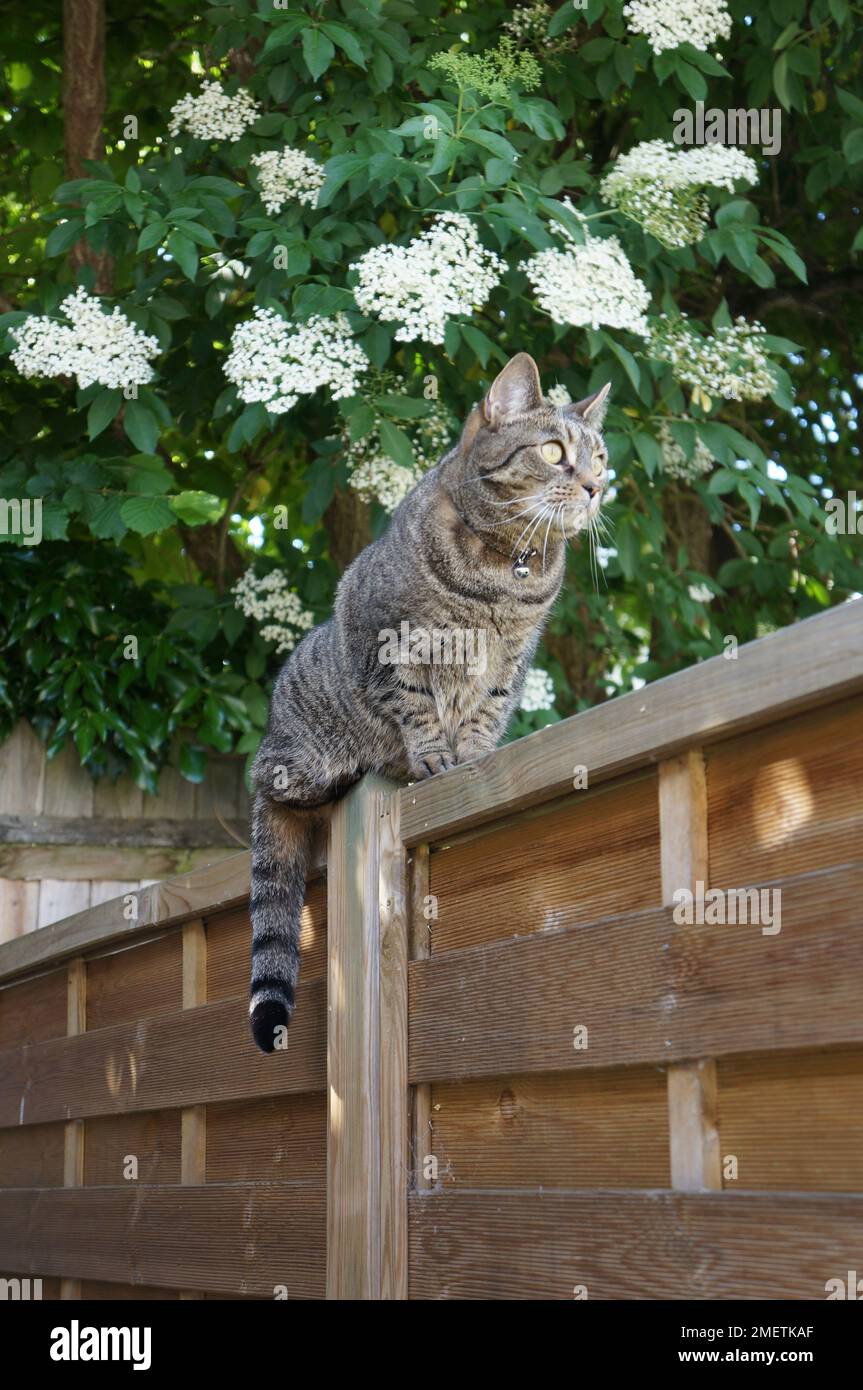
589	284
276	609
443	273
659	186
669	23
492	73
699	593
559	395
674	460
92	346
730	363
529	24
378	478
537	691
286	174
275	361
213	115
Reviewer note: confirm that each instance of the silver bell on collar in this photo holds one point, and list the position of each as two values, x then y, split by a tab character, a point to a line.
520	567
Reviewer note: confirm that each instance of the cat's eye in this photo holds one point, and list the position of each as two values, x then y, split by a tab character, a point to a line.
598	464
552	452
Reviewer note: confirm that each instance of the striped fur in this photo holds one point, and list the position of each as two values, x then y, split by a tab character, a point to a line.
445	566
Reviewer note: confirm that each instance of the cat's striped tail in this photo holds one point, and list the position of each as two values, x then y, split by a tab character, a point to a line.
281	848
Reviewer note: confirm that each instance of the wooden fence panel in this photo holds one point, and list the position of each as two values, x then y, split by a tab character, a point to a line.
516	1069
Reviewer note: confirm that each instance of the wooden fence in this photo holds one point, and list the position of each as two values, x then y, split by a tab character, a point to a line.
67	842
512	1072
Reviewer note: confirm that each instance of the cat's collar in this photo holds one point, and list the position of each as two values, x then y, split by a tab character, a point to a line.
520	566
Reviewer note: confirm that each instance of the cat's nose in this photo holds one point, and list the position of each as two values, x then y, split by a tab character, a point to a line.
591	489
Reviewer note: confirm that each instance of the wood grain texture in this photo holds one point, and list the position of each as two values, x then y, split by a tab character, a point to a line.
205	891
188	1058
143	832
419	947
565	1130
393	1033
32	1156
152	1139
236	1238
595	855
19	908
692	1123
229	936
34	1009
142	981
97	1291
794	1122
787	798
798	667
279	1139
625	1245
22	772
353	1043
647	989
59	897
75	863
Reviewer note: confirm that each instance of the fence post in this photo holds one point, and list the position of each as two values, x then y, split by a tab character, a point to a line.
367	1131
692	1119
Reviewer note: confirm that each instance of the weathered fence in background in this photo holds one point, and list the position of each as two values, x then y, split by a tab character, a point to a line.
67	843
512	1072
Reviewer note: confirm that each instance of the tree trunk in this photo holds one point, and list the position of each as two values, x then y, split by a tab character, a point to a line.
348	527
84	102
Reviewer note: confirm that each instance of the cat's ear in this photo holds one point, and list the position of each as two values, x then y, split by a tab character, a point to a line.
592	409
514	391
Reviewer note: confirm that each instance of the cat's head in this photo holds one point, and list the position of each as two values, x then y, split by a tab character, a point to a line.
524	458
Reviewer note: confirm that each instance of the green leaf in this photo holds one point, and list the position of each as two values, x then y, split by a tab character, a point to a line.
318	52
403	407
63	236
141	426
852	145
145	515
185	253
346	41
195	508
152	235
396	444
102	411
337	171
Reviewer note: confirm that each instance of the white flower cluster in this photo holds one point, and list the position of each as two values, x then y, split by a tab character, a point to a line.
443	273
669	23
91	346
659	185
213	115
730	363
529	24
287	174
378	478
559	395
275	361
538	690
274	606
699	593
589	284
674	460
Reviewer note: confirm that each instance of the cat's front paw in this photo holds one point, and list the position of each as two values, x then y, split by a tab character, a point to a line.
429	764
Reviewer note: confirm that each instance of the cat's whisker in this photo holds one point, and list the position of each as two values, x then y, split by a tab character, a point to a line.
551	520
515	549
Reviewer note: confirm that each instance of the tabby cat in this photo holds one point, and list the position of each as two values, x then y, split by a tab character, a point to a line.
477	548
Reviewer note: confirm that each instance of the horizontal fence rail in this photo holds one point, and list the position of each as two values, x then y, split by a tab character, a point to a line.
516	1068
